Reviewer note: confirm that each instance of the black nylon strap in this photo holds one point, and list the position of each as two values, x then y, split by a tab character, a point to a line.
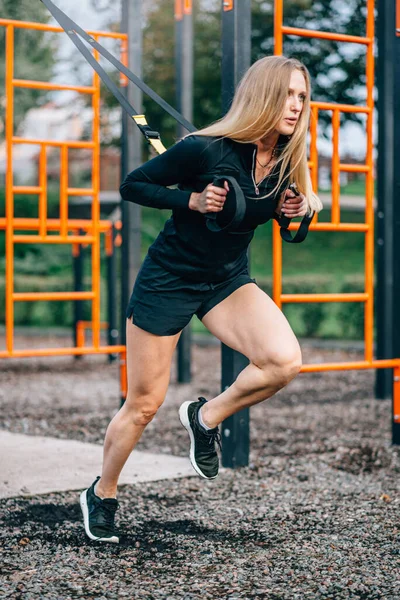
240	208
301	233
73	30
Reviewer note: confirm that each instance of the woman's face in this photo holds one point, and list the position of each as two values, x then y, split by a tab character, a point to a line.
294	103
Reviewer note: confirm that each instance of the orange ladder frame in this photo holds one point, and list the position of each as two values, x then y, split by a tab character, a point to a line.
65	228
335	224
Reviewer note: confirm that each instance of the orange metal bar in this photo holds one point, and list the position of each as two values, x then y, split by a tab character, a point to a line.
354	168
34	296
350	108
9	187
80	331
43	192
369	189
123	80
352	366
80	192
45	85
178	10
54	28
123	377
325	35
350	227
228	5
27	189
63	191
96	209
362	297
80	335
54	143
335	170
397	17
187	7
63	351
54	224
278	22
53	239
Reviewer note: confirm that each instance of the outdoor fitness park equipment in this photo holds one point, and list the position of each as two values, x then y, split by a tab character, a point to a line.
236	57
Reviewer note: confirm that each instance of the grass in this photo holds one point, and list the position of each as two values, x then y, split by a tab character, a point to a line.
333	255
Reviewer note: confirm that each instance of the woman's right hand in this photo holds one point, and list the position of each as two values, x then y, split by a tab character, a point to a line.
211	199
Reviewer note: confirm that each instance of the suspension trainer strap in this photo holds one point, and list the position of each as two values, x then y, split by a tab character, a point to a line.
74	31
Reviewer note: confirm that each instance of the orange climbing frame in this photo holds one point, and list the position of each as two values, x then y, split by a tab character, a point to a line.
42	230
335	224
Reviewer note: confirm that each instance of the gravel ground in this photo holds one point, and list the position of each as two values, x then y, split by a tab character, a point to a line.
315	515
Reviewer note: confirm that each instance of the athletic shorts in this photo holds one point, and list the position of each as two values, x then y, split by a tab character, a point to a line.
163	303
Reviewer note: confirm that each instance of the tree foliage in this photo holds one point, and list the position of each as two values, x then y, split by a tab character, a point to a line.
34	54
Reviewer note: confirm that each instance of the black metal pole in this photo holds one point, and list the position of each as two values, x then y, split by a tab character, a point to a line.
236	50
384	220
388	213
184	101
112	330
78	265
131	157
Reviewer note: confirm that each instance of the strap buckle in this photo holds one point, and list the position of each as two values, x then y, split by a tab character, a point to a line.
150	134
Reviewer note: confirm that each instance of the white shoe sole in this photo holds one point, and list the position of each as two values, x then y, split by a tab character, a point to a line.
83	502
184	419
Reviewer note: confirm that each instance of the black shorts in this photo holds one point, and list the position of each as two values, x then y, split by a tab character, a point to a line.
163	303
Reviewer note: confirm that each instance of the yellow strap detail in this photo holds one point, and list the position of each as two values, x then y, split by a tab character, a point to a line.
158	146
139	119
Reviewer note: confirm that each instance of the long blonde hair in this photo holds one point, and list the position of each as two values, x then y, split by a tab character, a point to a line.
257	108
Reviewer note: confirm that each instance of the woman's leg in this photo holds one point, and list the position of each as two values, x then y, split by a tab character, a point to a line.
148	363
251	323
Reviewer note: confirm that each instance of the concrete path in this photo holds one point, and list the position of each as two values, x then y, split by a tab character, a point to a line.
32	465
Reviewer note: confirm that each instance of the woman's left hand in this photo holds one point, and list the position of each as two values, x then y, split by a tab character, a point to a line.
291	205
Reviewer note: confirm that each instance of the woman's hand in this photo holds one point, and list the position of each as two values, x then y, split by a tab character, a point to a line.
211	199
291	205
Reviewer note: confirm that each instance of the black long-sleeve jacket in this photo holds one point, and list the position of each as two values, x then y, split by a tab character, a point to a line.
186	246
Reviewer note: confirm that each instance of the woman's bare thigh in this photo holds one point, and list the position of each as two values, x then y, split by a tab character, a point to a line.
250	322
149	359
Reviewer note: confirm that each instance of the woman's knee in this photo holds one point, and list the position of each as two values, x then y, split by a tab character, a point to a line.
284	364
141	411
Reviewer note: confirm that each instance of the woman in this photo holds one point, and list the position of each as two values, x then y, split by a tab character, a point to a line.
191	270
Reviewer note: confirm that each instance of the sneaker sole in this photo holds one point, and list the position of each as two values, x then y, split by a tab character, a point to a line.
84	507
184	419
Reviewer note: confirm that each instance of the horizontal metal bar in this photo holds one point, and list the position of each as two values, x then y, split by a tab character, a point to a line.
54	143
33	296
63	351
351	227
354	168
89	325
296	298
80	192
21	223
326	35
352	366
44	85
27	189
350	108
53	239
55	28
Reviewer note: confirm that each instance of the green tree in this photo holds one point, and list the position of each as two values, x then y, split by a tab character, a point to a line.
34	54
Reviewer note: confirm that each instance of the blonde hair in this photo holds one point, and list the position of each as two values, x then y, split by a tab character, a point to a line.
257	108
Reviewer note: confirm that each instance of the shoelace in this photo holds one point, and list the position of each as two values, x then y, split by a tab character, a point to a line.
212	435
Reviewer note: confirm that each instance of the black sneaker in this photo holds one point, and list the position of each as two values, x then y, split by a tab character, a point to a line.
99	515
203	455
